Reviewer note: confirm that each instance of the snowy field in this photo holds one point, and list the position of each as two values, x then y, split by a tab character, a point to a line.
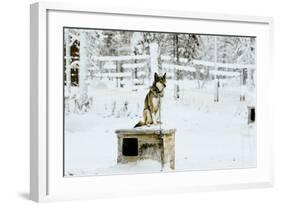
209	135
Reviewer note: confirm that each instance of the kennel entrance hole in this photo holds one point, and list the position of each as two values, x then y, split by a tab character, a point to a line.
251	114
130	147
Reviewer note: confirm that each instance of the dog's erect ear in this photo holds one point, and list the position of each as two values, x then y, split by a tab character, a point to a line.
156	76
164	76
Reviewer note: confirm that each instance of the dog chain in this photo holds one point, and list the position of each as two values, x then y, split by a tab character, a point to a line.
161	135
160	127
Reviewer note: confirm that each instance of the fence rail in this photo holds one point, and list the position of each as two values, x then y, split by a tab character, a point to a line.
120	58
110	67
210	64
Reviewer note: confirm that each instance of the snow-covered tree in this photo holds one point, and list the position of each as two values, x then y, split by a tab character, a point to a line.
136	48
236	49
67	61
83	67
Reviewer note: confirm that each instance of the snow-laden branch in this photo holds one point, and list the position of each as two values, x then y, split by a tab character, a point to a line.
76	62
73	38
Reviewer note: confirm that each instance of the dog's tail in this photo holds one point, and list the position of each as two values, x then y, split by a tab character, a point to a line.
139	124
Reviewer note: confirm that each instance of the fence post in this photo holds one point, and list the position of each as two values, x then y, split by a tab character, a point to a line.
216	70
243	79
117	70
216	89
176	91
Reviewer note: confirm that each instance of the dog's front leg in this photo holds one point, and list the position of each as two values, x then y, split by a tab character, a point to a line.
157	115
154	118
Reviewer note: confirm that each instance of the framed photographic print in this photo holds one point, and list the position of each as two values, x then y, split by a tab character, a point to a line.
127	102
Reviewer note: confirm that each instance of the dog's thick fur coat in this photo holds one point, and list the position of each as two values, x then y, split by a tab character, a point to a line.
152	102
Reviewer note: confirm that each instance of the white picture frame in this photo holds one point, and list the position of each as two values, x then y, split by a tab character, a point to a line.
46	176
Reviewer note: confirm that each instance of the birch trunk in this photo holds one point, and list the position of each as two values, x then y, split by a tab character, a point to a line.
83	87
154	56
67	61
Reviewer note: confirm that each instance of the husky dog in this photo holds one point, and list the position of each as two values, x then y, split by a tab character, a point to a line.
152	101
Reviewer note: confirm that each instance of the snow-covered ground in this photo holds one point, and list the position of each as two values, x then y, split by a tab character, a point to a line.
209	135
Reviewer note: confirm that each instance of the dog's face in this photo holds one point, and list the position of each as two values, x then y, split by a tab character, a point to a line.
160	81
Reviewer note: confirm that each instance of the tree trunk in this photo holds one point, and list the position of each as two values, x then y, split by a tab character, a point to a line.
176	55
176	62
216	80
83	86
67	61
154	58
135	68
